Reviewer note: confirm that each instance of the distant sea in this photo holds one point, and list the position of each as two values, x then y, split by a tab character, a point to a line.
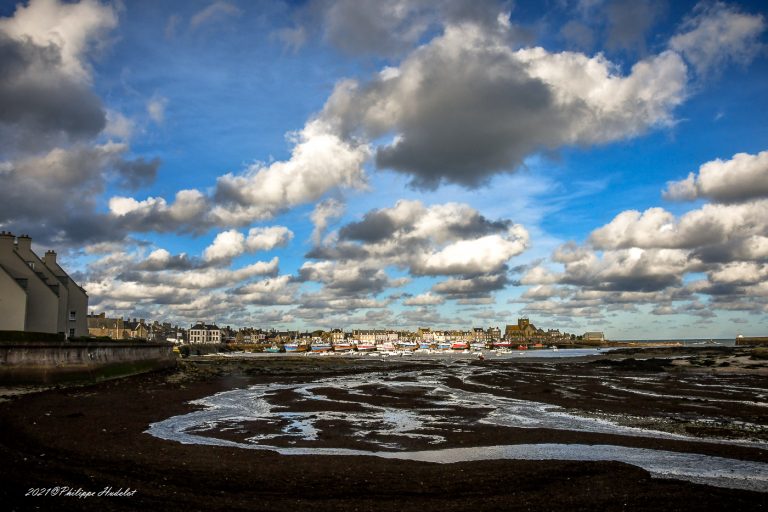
723	342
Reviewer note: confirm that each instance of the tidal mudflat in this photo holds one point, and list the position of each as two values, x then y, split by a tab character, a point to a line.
641	430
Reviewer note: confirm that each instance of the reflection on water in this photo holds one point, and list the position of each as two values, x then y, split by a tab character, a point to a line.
326	416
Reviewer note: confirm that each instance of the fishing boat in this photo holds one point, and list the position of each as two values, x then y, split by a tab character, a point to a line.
273	349
522	347
407	345
295	346
444	345
459	345
365	346
321	346
343	346
425	345
477	345
387	346
502	344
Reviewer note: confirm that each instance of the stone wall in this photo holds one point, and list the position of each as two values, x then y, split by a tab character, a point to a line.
65	361
752	340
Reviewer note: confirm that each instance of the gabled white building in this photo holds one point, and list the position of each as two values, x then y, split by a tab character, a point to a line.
37	295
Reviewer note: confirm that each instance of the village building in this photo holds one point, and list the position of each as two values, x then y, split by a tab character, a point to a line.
364	335
523	331
228	335
37	295
204	333
425	334
137	329
100	326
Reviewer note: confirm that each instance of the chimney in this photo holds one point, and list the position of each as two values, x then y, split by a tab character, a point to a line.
6	241
50	258
24	243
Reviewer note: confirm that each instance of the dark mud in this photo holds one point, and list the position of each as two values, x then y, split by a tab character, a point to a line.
93	437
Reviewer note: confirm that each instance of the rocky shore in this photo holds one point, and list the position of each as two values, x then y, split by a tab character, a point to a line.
90	438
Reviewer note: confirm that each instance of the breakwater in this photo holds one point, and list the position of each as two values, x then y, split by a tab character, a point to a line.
752	340
48	362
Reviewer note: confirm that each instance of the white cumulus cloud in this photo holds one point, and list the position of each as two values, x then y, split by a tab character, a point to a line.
741	178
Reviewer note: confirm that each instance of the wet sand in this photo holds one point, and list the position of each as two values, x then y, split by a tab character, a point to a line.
94	437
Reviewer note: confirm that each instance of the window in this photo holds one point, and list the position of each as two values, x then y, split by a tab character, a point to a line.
72	316
71	333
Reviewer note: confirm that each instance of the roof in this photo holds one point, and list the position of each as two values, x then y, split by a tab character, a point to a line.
37	274
98	322
205	327
14	278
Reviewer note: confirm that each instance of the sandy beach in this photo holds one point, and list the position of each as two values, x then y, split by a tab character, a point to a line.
337	433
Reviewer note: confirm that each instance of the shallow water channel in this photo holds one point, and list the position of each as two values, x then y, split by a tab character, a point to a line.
367	413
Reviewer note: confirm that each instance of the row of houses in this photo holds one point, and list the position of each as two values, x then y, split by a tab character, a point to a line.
202	332
524	332
36	294
101	326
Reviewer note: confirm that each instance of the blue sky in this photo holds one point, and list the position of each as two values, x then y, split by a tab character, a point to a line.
332	163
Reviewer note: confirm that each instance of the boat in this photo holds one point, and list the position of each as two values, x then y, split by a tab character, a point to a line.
387	346
343	346
459	345
425	345
444	345
295	346
522	347
407	345
365	346
322	347
477	345
502	344
273	349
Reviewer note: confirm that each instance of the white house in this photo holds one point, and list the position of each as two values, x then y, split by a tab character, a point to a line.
37	295
594	336
204	333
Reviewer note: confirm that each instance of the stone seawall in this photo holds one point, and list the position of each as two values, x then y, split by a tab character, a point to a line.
58	362
752	340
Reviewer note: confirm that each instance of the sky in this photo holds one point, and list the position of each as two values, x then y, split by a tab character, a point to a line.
591	165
